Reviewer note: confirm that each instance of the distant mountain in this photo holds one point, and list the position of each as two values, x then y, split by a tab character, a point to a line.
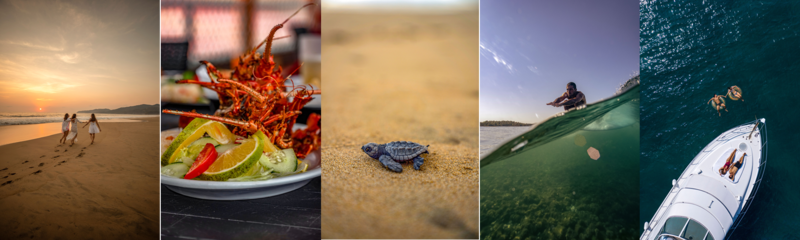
138	109
503	124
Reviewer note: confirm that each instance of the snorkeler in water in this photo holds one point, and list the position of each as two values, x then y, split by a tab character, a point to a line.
718	102
735	93
572	96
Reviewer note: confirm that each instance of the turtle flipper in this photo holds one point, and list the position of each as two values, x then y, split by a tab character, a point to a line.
418	162
390	163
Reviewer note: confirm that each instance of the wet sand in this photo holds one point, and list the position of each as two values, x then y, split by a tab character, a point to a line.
400	78
18	133
107	190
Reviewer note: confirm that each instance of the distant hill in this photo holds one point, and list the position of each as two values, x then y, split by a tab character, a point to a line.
138	109
503	124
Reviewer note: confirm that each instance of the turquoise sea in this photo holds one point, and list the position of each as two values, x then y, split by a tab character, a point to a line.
544	183
691	50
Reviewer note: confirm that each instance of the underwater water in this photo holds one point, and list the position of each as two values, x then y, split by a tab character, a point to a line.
691	50
544	183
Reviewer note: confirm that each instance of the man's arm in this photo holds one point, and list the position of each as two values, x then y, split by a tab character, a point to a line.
574	100
559	99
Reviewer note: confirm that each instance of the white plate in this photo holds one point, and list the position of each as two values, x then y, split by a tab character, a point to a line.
214	190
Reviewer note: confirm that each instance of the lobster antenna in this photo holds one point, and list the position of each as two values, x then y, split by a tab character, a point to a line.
268	48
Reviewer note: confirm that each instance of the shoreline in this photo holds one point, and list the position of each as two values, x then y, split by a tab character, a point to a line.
99	191
29	119
10	134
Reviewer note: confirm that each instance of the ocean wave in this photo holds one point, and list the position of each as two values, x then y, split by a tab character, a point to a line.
625	102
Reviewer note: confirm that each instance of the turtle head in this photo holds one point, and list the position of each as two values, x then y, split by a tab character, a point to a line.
371	149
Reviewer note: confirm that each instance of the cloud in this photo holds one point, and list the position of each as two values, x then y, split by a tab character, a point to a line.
497	58
49	87
69	58
534	70
31	45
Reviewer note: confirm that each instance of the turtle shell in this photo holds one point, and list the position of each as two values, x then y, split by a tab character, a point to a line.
403	151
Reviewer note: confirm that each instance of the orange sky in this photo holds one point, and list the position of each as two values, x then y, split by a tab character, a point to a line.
66	56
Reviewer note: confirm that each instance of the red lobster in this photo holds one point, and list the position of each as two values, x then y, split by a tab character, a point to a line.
255	97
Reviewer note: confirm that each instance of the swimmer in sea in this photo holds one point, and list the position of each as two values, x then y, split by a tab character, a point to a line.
734	93
570	99
719	103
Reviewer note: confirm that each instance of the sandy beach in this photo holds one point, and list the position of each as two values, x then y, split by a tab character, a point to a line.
400	78
107	190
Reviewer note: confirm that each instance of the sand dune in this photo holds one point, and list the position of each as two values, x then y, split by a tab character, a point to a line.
107	190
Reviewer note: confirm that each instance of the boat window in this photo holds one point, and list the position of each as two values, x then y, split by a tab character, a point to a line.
694	231
674	225
709	237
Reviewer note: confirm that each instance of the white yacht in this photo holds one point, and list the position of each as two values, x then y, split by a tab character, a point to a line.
702	204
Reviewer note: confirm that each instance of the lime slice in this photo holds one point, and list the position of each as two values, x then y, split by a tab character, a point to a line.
237	161
195	130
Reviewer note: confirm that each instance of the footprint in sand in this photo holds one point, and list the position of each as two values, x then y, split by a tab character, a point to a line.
9	182
81	155
12	173
37	172
65	150
42	156
56	150
41	164
30	167
56	156
5	177
83	148
24	162
4	169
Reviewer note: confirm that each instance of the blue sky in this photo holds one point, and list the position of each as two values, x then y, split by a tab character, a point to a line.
530	50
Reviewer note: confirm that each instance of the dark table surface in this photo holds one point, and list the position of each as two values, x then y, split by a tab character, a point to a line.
292	215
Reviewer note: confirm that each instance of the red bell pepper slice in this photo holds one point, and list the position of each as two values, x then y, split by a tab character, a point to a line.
207	157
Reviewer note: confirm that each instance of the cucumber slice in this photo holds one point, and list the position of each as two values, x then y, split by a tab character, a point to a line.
284	161
203	141
177	170
193	150
185	160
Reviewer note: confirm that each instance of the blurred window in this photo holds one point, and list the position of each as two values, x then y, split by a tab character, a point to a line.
216	29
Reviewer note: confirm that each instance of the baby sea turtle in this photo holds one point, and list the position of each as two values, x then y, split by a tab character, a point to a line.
391	153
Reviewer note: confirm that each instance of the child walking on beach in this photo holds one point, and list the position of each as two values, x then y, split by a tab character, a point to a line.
73	133
64	129
93	128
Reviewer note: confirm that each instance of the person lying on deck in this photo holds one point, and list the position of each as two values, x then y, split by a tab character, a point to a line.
735	167
724	169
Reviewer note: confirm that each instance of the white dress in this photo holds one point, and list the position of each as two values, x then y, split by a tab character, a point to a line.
65	126
93	127
73	132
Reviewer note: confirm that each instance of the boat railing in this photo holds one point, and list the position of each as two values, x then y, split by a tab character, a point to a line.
762	166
